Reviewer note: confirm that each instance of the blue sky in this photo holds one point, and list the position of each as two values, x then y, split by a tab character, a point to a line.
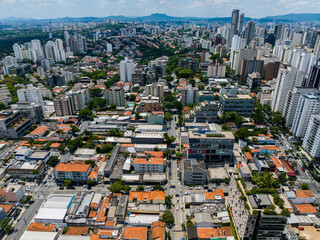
197	8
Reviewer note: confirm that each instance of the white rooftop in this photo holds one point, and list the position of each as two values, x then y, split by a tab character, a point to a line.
34	235
50	213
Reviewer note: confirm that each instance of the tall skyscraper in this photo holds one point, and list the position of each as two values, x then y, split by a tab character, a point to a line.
249	31
241	24
279	32
126	70
234	25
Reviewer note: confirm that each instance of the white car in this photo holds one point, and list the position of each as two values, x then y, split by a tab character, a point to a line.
177	208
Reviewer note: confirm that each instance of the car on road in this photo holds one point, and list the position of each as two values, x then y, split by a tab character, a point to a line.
61	188
301	228
177	208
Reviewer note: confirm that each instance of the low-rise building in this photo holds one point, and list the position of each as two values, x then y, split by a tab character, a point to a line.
215	148
14	193
242	104
13	125
147	197
137	233
251	219
153	164
194	171
72	171
207	111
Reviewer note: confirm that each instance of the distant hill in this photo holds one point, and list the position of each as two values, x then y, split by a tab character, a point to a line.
298	17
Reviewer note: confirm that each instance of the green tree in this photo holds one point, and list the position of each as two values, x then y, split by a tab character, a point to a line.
168	116
157	187
8	228
35	172
140	188
168	218
53	161
305	186
132	98
91	182
283	178
73	145
74	129
285	212
67	182
2	106
95	92
91	162
168	201
85	113
106	148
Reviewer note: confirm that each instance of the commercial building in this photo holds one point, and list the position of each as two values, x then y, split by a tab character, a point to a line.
207	111
250	66
248	216
194	171
30	110
242	104
26	169
13	125
63	106
153	164
205	95
115	95
254	80
215	148
311	140
72	171
14	193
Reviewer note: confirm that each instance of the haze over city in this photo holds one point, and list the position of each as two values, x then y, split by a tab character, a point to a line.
181	8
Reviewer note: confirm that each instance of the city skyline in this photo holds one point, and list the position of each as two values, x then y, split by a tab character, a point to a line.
46	9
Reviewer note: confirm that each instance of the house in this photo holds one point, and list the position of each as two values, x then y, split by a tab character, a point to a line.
136	233
217	196
158	231
147	197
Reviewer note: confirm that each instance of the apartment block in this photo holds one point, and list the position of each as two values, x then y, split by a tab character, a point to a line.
71	171
63	106
153	164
